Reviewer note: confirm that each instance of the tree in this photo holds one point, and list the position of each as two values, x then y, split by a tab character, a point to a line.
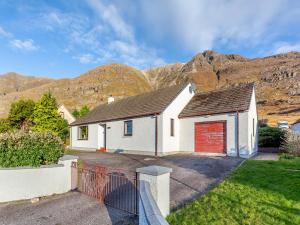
84	110
47	118
76	113
20	114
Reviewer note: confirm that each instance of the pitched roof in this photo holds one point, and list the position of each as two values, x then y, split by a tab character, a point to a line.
218	102
297	121
141	105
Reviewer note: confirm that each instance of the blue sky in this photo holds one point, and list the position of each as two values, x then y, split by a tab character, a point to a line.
66	38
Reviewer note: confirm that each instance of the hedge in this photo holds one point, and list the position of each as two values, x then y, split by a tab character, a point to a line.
29	149
270	137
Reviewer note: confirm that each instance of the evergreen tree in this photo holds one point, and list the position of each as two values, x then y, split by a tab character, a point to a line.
76	113
20	114
84	110
47	118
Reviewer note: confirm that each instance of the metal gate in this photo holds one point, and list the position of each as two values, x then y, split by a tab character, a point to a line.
114	187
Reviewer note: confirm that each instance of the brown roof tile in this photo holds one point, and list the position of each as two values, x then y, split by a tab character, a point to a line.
141	105
218	102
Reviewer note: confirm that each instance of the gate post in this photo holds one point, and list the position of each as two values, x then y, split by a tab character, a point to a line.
159	179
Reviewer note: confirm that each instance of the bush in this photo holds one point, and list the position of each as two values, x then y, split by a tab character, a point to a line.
29	149
270	136
291	144
4	126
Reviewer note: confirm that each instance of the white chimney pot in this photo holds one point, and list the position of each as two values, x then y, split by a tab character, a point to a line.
110	99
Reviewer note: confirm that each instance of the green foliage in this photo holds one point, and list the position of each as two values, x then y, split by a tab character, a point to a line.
76	113
82	112
270	136
20	114
4	125
29	149
258	192
47	118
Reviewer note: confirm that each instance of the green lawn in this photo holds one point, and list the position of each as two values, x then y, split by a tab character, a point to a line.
258	192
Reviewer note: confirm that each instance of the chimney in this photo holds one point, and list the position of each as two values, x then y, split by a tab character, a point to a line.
110	99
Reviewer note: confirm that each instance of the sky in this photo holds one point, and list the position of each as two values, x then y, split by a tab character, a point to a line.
58	39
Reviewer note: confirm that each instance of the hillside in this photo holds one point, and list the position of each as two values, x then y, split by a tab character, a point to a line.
91	88
13	82
277	80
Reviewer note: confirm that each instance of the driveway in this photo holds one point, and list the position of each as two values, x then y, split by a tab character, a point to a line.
192	175
72	208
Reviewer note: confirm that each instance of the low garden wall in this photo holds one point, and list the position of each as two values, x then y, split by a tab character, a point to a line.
22	183
149	213
154	195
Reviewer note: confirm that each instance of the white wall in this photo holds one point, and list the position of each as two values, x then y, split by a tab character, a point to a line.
171	143
252	136
187	126
141	141
94	141
26	183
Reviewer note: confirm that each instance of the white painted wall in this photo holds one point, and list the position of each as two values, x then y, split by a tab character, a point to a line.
142	139
169	143
252	133
187	125
26	183
245	131
66	114
94	141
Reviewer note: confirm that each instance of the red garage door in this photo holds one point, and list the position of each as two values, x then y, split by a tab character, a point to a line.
210	137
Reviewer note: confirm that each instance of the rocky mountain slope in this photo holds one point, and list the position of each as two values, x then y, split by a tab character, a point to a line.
91	88
277	80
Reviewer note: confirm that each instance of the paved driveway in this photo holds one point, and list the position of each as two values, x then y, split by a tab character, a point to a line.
192	175
69	209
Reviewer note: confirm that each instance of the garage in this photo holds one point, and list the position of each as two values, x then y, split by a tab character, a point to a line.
210	137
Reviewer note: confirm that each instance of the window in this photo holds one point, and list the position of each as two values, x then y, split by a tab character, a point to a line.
83	133
128	128
62	115
172	127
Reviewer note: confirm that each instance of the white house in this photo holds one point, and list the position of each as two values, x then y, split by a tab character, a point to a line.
173	120
65	114
296	126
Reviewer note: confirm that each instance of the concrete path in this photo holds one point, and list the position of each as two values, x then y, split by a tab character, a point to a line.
69	209
266	156
192	175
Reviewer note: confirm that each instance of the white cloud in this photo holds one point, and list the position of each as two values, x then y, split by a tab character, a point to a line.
4	33
25	45
286	47
200	25
110	15
85	58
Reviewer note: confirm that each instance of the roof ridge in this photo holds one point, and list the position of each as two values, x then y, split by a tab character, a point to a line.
241	85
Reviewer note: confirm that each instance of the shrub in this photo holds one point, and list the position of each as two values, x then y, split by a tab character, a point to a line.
291	144
270	136
29	149
4	125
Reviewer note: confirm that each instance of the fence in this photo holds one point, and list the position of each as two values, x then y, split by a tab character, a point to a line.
113	187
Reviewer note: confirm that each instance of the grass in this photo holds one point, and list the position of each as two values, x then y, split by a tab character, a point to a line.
258	192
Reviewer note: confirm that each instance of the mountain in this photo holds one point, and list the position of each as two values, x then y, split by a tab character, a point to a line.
91	88
13	82
277	81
